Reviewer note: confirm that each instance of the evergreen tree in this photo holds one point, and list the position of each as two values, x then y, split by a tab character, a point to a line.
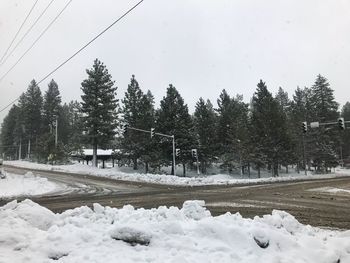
173	119
72	128
138	112
269	127
324	140
205	120
29	126
8	145
345	135
150	154
52	105
99	107
52	111
285	108
232	131
299	112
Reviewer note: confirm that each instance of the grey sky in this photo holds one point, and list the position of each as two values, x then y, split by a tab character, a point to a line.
200	46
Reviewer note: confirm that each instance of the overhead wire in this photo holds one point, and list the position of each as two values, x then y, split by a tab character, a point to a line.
80	50
27	32
36	40
20	28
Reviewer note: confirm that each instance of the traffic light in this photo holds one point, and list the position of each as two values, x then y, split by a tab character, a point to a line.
341	123
304	126
152	132
125	128
177	152
194	153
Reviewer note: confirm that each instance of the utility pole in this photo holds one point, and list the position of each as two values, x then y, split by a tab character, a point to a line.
28	155
20	149
56	132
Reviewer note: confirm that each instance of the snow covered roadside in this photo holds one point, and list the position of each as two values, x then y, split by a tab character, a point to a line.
114	173
31	233
26	185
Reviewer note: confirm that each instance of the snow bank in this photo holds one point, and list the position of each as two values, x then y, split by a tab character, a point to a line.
26	185
31	233
115	173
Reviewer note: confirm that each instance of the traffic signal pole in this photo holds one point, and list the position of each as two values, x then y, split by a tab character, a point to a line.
152	133
173	137
304	151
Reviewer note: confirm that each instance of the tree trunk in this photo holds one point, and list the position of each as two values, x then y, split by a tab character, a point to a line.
287	168
94	154
134	160
184	169
146	167
113	162
259	176
172	168
103	164
275	170
249	170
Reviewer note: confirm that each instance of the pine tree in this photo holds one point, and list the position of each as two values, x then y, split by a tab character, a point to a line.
299	113
345	135
232	131
138	112
8	145
205	120
173	119
131	110
72	128
285	108
52	105
31	105
324	140
99	107
52	111
268	124
150	152
282	99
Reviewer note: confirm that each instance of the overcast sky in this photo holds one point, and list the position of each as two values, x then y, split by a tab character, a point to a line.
200	46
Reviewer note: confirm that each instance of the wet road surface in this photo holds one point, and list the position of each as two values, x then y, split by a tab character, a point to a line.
306	200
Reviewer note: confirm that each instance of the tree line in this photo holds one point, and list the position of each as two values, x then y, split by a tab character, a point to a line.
263	134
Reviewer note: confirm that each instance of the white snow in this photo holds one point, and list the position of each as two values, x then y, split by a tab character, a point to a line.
31	233
26	185
332	190
100	152
220	179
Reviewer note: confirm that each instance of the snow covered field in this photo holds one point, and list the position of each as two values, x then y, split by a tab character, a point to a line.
26	185
116	173
31	233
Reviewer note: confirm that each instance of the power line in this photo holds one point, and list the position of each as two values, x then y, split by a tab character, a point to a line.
36	40
81	49
20	28
27	32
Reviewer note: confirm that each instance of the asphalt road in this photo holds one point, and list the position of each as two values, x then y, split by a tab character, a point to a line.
303	199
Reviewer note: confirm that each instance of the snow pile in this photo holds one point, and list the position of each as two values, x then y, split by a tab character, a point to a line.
331	190
31	233
115	173
26	185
